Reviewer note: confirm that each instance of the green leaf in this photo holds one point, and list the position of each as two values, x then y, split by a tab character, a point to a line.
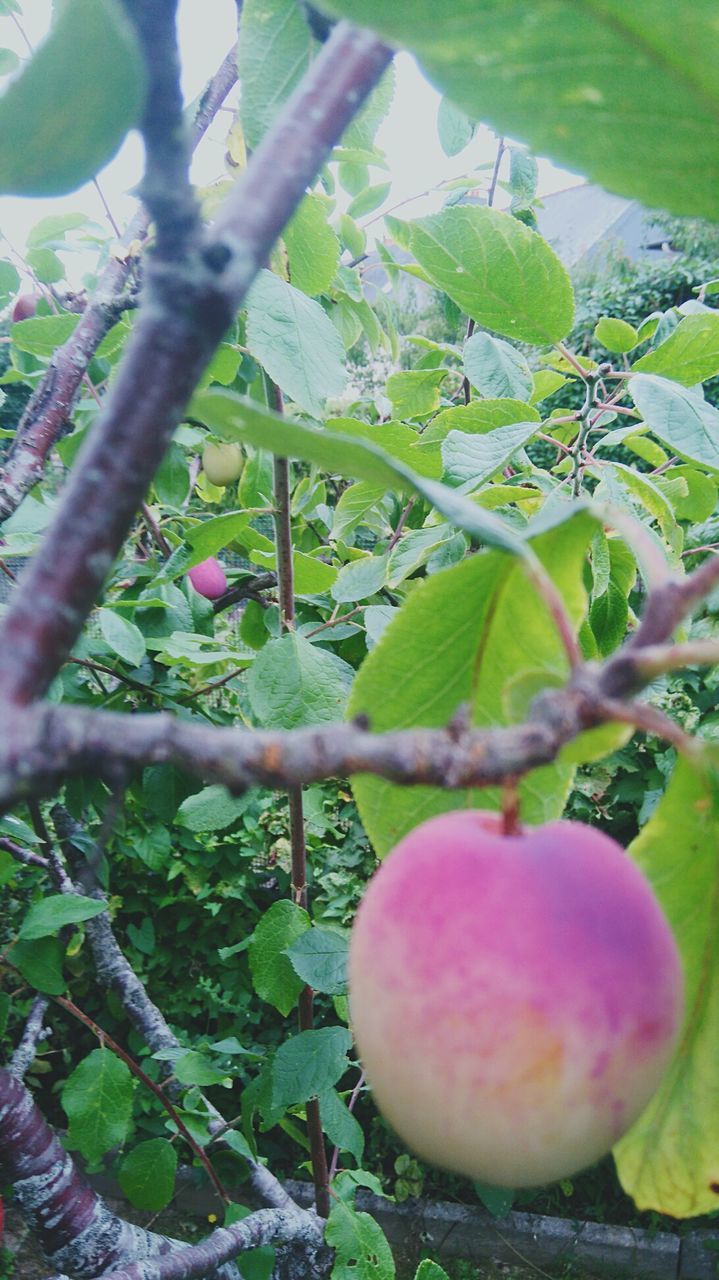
360	579
293	683
608	619
257	1264
195	1069
51	230
354	504
147	1174
361	132
40	963
616	335
319	958
415	393
415	548
668	1160
455	129
295	341
172	478
233	418
313	247
42	334
53	913
309	1064
523	177
495	368
45	265
213	535
624	94
679	418
369	200
311	577
691	352
9	280
340	1125
143	937
362	1251
498	271
8	61
274	53
701	497
274	978
471	460
498	1200
123	637
65	116
97	1099
475	418
401	441
153	847
211	809
429	1270
461	637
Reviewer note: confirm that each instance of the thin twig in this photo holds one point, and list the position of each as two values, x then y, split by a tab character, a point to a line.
106	1039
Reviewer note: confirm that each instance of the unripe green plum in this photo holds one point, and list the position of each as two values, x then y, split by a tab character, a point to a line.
222	463
515	998
208	578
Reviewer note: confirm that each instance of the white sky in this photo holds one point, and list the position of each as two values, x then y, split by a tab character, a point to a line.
408	136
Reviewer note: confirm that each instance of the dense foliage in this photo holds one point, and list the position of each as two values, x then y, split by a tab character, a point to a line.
486	523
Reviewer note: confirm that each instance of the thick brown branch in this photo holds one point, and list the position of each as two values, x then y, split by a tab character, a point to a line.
165	188
187	308
47	743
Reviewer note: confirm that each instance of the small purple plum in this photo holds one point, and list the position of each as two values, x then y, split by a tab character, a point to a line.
208	578
24	308
515	998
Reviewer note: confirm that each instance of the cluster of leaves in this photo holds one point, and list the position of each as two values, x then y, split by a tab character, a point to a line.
411	598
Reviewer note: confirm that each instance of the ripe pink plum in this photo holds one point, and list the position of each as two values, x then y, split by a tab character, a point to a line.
208	578
24	308
515	998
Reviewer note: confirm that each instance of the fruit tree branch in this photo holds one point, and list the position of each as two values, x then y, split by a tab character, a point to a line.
114	971
187	308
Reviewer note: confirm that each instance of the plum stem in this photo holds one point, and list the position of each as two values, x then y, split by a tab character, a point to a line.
511	825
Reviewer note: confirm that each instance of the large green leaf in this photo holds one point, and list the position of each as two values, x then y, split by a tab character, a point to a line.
625	93
40	963
361	1248
496	368
309	1064
147	1174
295	341
497	270
273	974
319	957
274	52
466	635
470	460
690	353
65	116
56	911
313	247
97	1099
680	418
669	1160
294	683
211	809
233	418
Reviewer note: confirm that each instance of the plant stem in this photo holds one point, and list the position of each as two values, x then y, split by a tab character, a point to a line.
285	582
